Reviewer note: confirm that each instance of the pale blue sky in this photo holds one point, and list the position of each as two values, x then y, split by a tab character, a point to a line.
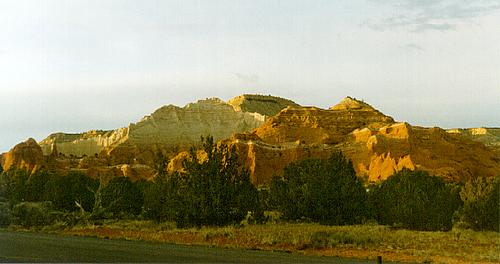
74	65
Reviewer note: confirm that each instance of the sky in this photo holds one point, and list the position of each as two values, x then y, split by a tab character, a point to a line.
73	66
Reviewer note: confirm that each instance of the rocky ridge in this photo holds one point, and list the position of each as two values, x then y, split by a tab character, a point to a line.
487	135
268	133
266	105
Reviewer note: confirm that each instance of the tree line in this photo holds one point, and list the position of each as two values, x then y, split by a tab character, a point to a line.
216	190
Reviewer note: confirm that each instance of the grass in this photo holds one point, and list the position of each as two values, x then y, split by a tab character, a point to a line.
358	241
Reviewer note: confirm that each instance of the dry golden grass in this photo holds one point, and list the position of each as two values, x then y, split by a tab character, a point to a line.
360	241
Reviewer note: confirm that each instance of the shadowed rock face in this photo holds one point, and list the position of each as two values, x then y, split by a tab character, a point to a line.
262	104
268	133
488	136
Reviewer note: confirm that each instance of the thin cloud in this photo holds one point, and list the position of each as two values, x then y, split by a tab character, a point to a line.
251	79
428	15
413	47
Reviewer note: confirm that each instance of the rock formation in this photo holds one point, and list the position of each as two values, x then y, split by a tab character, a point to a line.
26	155
268	133
377	146
172	127
377	154
262	104
314	125
488	136
82	144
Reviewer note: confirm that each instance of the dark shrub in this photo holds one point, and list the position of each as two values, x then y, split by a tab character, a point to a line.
13	185
163	198
36	186
5	214
30	214
214	190
326	191
481	210
415	200
65	191
121	195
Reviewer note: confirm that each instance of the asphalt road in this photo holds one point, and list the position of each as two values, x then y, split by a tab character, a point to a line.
34	247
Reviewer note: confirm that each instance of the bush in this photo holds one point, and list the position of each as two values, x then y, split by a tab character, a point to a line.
36	186
13	185
415	200
481	210
121	195
214	190
5	215
326	191
65	190
21	186
30	214
163	198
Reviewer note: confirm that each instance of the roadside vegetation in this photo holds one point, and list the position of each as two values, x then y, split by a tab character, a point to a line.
365	241
316	207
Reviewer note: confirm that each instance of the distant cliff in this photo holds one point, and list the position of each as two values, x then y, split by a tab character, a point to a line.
268	132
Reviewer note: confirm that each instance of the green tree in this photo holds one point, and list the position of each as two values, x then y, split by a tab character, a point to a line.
36	186
216	189
32	213
163	197
326	191
121	195
70	190
415	200
13	185
481	210
5	214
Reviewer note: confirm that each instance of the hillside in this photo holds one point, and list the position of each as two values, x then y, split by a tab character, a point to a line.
268	132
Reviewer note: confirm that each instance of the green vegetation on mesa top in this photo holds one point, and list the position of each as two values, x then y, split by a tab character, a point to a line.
216	191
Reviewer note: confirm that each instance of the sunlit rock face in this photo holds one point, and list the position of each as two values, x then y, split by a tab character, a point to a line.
268	133
167	130
82	144
378	154
172	126
377	146
314	125
26	155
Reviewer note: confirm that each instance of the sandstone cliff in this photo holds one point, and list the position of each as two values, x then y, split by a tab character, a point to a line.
82	144
26	155
171	127
377	146
379	153
167	130
268	133
297	133
314	125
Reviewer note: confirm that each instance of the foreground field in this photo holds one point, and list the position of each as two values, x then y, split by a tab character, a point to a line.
361	242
